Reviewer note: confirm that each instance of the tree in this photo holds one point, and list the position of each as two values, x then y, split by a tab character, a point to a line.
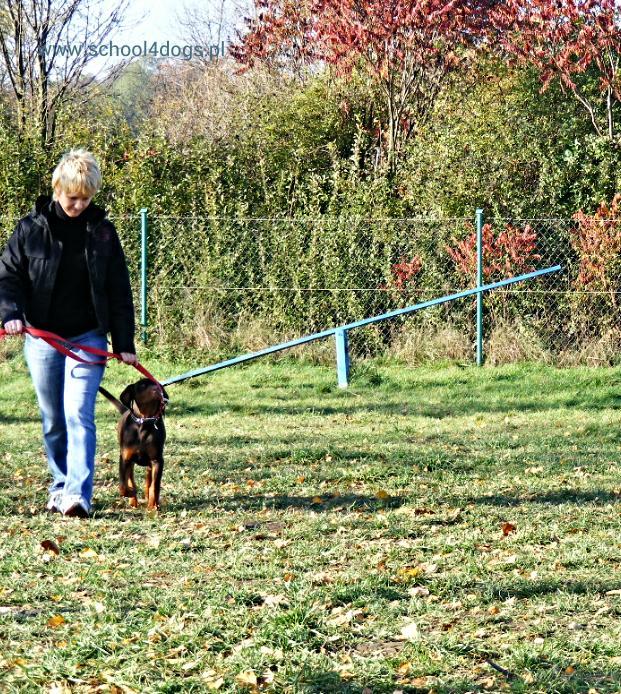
408	48
211	24
564	40
45	48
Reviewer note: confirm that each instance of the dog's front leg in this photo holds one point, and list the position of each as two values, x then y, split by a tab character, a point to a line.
156	470
127	485
148	481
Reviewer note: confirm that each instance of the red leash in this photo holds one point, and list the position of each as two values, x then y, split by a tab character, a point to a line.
59	344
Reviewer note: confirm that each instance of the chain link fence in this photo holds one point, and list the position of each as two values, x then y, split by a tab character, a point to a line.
221	286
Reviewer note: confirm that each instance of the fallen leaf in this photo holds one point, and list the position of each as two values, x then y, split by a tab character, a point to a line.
418	591
211	677
508	528
247	678
321	578
382	495
409	573
275	601
340	617
410	632
316	500
55	621
404	669
488	683
88	553
58	688
388	649
50	546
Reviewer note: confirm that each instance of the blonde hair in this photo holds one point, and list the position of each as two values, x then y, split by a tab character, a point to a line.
77	173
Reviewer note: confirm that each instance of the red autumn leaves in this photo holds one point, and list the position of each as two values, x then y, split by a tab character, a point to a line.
509	252
597	241
410	47
505	254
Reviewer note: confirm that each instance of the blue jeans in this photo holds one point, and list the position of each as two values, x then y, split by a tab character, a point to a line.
66	390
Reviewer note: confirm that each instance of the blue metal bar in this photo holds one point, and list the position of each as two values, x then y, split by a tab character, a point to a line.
342	357
358	324
479	220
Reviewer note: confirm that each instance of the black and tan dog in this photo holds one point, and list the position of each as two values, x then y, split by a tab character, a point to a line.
141	437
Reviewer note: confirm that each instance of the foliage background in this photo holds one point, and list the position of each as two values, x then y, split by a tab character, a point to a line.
270	215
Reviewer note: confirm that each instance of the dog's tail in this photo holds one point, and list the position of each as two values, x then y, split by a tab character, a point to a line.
117	403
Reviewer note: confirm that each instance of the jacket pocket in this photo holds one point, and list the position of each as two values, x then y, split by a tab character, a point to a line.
35	248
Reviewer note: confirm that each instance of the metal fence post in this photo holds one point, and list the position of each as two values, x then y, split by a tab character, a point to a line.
342	357
479	222
143	271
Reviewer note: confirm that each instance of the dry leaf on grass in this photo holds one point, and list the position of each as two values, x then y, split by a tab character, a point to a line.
55	621
58	688
50	546
410	632
88	553
340	616
247	678
384	649
407	574
508	528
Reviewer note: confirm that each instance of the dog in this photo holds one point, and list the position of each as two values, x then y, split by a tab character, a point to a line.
141	435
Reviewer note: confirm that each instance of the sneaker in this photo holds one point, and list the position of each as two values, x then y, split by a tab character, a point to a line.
53	505
76	511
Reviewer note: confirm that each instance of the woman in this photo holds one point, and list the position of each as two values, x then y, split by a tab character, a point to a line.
63	270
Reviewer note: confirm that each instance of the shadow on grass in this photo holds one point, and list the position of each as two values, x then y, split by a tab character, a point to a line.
247	502
457	405
558	497
13	419
581	681
523	589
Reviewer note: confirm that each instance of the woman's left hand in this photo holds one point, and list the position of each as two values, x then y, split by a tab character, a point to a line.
129	358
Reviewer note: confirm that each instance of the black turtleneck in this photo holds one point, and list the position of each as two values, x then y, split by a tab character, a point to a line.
71	310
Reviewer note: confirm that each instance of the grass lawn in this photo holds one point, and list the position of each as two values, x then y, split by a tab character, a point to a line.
427	530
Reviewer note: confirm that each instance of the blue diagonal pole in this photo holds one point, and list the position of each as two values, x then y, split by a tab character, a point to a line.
357	324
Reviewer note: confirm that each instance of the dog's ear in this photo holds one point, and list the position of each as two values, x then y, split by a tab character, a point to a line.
128	396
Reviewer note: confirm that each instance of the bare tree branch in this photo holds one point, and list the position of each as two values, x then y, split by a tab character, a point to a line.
45	48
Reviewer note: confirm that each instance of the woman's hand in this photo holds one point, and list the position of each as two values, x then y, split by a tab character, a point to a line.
129	358
14	327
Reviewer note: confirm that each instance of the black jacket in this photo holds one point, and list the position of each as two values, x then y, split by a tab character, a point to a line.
29	264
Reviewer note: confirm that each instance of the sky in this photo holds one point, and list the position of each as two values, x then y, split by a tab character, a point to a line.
150	22
159	23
